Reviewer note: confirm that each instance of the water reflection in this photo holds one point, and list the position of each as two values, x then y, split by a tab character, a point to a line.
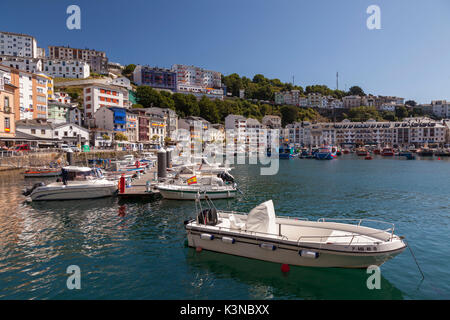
266	281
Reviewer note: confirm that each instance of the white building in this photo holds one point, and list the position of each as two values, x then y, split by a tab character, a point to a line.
65	132
66	68
97	96
388	106
198	81
18	45
441	108
21	63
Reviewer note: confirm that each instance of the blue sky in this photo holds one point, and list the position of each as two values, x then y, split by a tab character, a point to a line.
310	40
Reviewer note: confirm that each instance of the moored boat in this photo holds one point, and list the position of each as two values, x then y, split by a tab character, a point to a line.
388	152
42	173
326	153
222	187
76	183
262	235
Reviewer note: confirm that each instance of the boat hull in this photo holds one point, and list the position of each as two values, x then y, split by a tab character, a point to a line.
192	195
289	254
42	174
73	193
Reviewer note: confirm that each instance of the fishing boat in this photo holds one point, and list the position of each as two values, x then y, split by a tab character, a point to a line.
286	153
207	186
388	152
326	153
368	157
76	183
362	152
425	152
42	173
262	235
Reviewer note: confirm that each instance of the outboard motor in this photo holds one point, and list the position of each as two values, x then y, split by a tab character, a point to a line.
29	191
226	177
208	217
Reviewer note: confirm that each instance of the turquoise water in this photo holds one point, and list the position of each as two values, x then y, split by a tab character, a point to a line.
137	250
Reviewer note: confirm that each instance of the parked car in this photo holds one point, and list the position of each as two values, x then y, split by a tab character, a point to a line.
66	148
22	147
75	148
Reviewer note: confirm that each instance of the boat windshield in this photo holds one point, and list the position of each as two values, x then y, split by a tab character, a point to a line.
81	175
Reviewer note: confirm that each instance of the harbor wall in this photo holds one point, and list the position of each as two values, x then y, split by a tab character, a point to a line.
29	160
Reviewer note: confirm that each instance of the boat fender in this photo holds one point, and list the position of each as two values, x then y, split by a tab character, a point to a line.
207	236
268	246
308	254
228	240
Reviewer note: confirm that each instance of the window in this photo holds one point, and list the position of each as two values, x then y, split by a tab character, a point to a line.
7	124
43	131
33	131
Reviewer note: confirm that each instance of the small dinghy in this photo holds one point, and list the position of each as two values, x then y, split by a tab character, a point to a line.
263	236
42	173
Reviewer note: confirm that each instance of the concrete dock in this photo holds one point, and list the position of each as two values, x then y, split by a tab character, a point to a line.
138	188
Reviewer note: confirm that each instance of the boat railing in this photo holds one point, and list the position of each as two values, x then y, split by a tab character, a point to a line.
360	222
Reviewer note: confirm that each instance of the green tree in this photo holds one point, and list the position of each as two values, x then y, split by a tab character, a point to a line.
137	106
356	91
411	103
120	137
128	70
289	114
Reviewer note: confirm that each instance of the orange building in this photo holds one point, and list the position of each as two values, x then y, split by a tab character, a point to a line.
7	122
30	100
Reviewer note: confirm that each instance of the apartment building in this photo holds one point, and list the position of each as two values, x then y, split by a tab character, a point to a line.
351	101
441	108
198	81
417	131
169	115
97	96
158	78
97	60
73	69
111	118
288	98
7	118
143	124
18	45
30	101
132	126
62	97
272	122
236	128
22	63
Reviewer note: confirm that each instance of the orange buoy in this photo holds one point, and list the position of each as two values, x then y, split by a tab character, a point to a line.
198	249
285	268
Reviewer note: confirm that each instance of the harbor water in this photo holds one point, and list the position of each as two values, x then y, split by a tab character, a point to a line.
137	250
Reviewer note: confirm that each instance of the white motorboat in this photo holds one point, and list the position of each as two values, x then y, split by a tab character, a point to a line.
76	183
210	186
323	243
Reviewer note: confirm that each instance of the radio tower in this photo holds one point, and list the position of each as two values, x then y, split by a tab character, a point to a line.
337	80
